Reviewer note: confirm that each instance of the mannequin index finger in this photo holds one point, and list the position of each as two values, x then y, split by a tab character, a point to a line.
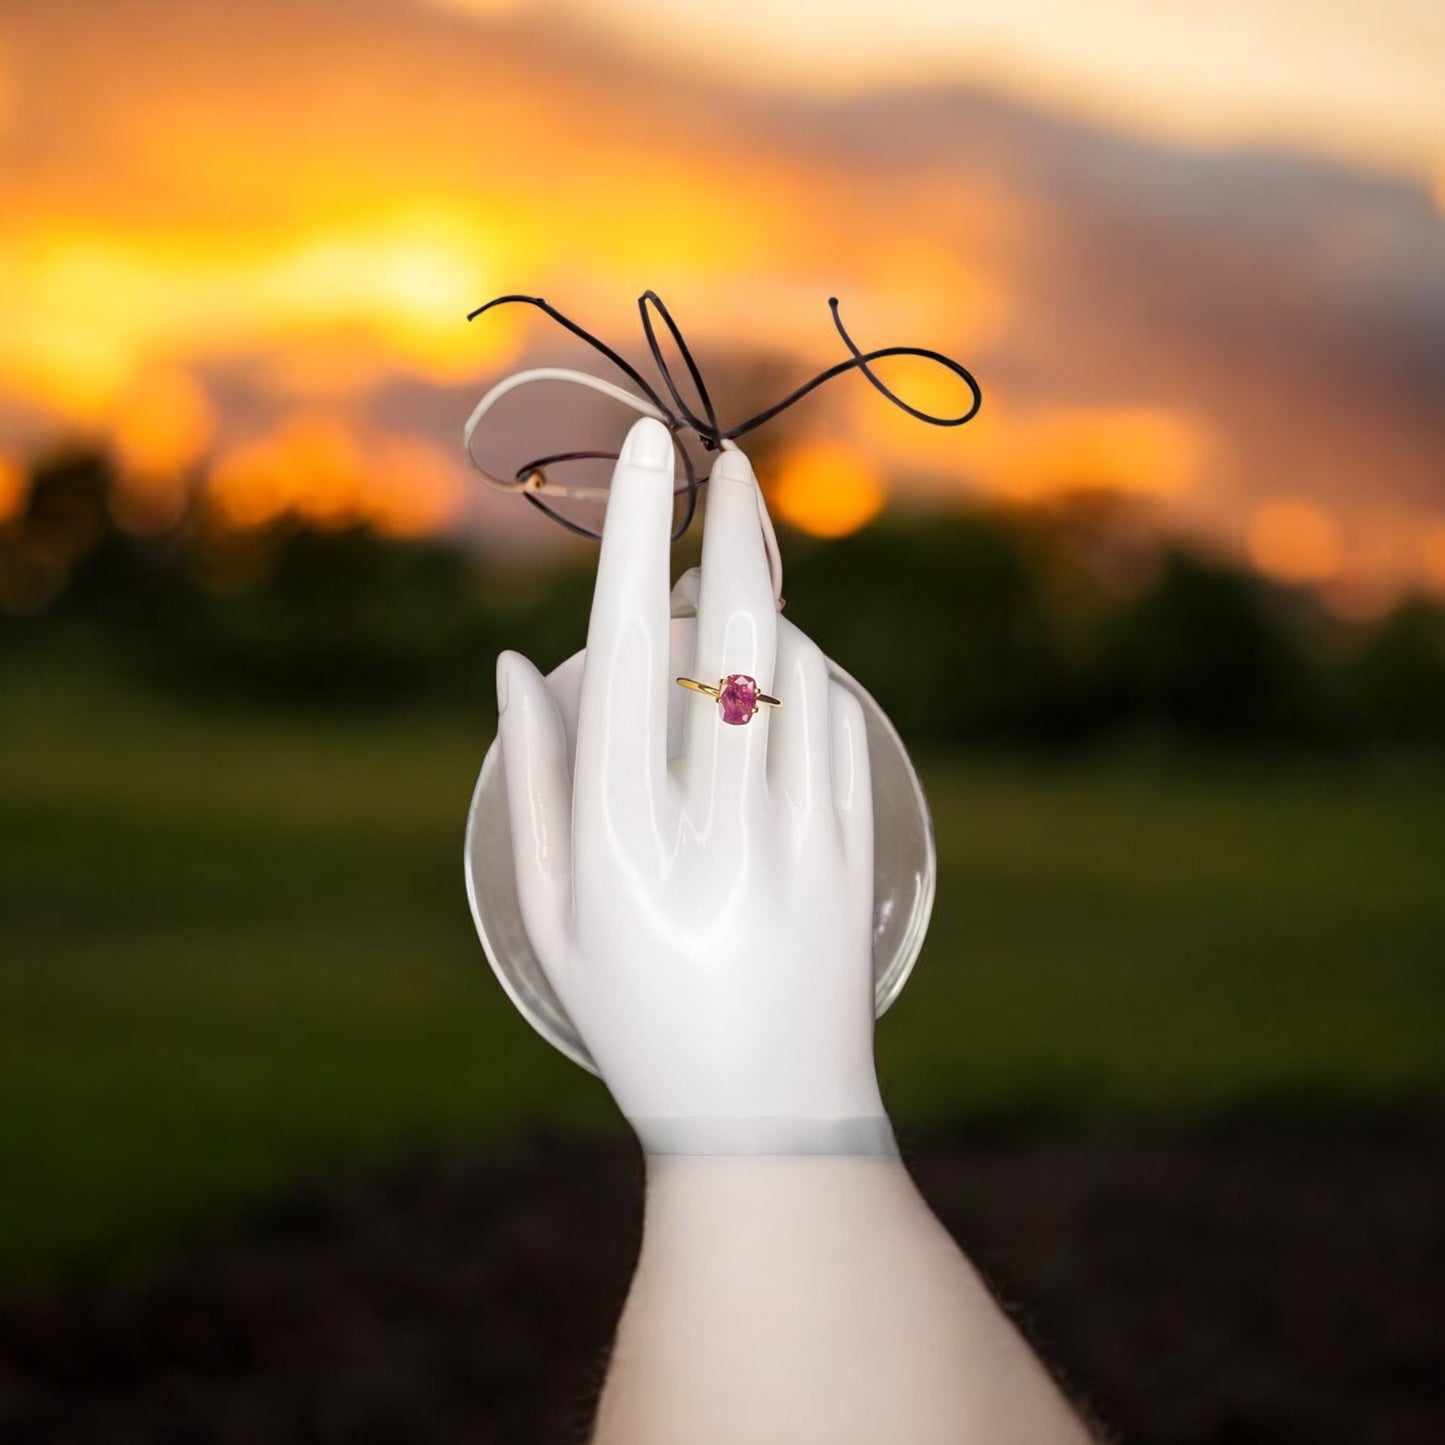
621	762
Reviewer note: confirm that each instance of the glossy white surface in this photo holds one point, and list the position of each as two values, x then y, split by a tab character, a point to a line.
692	904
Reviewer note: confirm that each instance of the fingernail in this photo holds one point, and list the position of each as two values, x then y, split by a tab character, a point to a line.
733	466
648	445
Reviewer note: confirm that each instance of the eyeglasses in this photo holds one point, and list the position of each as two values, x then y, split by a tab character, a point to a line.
571	485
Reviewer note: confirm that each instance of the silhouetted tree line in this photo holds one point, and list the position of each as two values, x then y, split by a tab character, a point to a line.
1042	627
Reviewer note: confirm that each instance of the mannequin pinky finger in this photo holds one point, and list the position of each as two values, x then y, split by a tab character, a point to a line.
539	803
852	780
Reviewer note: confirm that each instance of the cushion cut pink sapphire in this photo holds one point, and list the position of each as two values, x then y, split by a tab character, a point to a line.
737	698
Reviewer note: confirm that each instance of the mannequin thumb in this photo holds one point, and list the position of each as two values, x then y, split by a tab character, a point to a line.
534	759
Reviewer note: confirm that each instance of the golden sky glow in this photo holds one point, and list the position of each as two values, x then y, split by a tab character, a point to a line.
1353	80
104	306
240	241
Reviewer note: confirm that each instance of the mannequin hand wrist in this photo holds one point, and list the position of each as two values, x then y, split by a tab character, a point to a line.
853	1121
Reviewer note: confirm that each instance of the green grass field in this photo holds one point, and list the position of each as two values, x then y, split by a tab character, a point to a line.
234	948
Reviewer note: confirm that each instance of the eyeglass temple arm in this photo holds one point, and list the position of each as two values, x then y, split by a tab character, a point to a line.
546	373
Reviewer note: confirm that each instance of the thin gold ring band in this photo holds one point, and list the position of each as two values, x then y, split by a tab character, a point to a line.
737	696
713	691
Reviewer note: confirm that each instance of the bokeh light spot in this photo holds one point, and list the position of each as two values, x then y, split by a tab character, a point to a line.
14	488
827	489
164	423
1294	542
416	488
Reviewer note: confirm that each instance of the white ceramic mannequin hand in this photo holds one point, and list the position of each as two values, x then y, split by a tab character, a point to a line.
705	921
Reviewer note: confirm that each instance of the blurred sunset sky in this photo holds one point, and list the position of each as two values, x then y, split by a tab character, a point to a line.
1195	254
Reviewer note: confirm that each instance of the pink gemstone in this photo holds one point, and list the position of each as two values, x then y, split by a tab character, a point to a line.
737	698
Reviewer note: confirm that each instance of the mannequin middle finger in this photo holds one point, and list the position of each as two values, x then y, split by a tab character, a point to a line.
723	762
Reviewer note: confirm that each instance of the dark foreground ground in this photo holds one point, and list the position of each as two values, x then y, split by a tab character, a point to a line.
1259	1281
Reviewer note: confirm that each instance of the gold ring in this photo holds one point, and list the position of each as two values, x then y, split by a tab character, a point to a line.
737	696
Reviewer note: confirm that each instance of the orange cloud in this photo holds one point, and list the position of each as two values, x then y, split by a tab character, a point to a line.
1033	452
1146	451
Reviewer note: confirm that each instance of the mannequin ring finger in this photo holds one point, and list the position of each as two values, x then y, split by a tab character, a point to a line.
736	694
